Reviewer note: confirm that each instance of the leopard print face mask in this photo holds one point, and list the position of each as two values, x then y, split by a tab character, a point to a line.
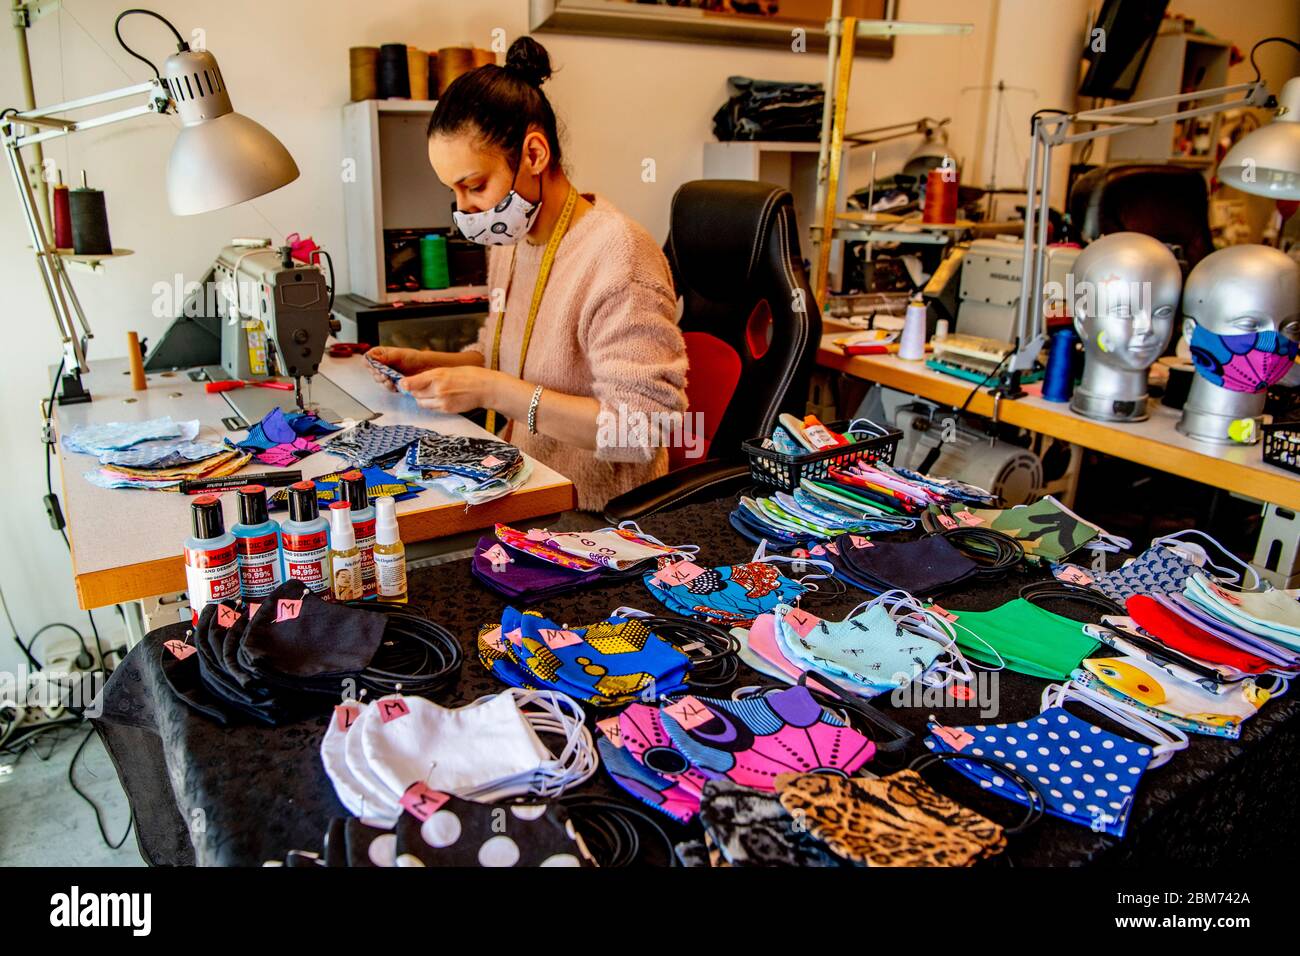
897	820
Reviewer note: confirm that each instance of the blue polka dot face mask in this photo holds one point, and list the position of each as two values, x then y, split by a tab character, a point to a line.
733	594
1087	775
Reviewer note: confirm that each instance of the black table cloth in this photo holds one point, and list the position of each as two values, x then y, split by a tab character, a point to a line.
246	794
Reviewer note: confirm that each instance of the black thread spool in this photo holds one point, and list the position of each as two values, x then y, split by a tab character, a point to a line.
89	222
393	78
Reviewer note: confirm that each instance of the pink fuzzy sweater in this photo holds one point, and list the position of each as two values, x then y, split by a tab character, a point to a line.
606	329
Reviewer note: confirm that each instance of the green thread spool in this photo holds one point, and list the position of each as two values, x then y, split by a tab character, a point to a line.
434	273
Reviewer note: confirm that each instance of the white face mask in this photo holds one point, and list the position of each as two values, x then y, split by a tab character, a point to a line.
504	224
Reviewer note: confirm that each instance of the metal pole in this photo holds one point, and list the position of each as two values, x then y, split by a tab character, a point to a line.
823	151
20	20
1027	256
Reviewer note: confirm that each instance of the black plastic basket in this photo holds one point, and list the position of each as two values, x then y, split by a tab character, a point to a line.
784	472
1282	445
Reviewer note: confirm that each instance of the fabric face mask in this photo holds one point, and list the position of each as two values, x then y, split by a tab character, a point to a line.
618	548
1046	529
608	663
1087	775
1184	705
1270	614
1027	638
753	741
532	543
732	594
642	759
653	789
480	459
1248	362
504	224
1162	622
922	567
868	649
461	833
749	828
898	820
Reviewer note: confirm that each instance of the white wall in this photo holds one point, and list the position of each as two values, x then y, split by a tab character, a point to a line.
620	101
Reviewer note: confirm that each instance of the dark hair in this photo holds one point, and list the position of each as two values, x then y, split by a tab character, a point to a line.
502	102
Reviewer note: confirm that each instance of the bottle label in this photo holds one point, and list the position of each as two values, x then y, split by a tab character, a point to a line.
306	559
390	574
210	576
346	576
365	532
259	565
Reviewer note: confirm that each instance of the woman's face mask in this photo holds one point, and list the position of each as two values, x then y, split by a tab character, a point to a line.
505	223
1246	362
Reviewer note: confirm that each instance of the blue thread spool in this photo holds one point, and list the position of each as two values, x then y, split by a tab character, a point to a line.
1058	385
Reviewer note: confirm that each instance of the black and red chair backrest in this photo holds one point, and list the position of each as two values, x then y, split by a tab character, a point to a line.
751	323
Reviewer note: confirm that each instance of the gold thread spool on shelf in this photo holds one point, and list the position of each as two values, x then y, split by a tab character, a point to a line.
362	62
417	68
433	74
452	62
484	57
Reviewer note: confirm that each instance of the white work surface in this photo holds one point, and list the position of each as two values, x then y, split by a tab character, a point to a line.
127	544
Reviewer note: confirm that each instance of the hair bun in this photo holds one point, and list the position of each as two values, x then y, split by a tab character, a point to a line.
529	60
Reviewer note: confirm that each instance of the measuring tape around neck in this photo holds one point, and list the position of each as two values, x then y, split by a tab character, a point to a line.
543	273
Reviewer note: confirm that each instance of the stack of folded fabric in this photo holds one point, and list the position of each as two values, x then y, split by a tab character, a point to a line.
813	513
290	654
366	444
769	110
378	483
878	648
157	454
611	662
474	469
448	831
536	565
665	754
1205	659
282	438
409	753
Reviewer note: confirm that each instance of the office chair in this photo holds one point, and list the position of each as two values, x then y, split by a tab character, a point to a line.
751	326
1168	202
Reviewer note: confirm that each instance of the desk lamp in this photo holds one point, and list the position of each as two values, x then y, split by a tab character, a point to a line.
220	158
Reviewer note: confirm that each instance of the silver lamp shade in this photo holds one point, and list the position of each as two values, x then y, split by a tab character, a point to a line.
1266	162
220	157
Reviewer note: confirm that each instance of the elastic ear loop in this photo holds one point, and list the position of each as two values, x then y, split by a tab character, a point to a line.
1002	661
1114	540
722	646
1034	796
577	761
1196	671
1232	577
629	524
872	428
1167	738
932	628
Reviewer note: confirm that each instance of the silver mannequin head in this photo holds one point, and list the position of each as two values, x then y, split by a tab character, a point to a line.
1126	290
1236	291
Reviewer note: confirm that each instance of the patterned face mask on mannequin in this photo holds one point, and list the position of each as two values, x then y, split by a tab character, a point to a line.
1247	362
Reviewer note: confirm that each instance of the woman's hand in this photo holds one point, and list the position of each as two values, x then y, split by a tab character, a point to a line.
406	361
455	389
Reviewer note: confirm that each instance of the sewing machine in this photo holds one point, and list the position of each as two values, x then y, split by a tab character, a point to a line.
259	314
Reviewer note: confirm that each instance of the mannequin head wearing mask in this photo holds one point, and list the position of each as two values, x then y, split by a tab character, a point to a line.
1242	309
494	141
1129	285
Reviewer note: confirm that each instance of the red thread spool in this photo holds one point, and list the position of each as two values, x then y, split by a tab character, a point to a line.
940	196
62	218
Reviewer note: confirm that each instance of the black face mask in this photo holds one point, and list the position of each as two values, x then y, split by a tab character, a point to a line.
922	567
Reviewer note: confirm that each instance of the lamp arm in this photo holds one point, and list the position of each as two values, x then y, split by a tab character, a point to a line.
159	101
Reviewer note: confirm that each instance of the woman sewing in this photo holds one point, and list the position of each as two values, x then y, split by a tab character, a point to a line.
581	326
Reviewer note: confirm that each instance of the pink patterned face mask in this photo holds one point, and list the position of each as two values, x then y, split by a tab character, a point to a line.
1247	362
753	741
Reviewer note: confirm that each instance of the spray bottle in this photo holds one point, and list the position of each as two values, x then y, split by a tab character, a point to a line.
390	553
345	556
257	541
211	567
305	538
352	489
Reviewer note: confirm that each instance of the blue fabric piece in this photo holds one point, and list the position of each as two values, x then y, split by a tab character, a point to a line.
162	453
378	482
1087	775
732	594
749	527
1157	570
369	444
115	436
277	428
103	479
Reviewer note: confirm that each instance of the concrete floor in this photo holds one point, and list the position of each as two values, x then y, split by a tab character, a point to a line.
44	823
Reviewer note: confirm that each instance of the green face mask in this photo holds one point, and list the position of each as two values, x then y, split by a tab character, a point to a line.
1029	639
